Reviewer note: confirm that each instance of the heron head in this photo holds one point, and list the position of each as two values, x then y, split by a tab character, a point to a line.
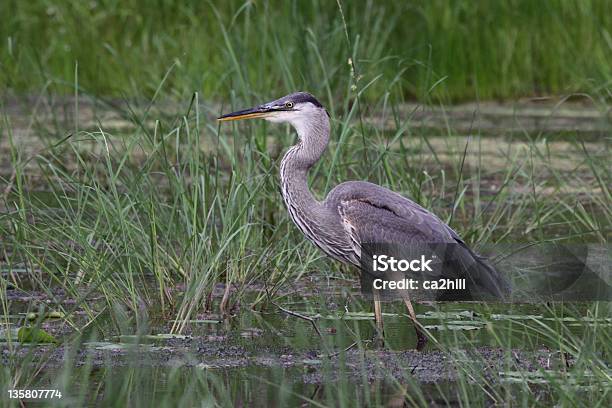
293	108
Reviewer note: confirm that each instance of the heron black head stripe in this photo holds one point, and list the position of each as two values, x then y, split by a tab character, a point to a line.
302	97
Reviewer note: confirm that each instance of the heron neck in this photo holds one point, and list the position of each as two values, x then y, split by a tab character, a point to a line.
313	135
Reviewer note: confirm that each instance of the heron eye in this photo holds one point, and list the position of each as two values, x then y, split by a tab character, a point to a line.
288	105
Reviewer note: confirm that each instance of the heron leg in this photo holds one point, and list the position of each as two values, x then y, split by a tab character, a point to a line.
421	338
378	312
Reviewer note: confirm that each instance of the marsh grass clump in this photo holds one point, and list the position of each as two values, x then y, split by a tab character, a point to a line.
498	50
127	211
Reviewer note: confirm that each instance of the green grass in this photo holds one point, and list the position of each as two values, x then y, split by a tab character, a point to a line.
463	50
136	210
151	195
183	201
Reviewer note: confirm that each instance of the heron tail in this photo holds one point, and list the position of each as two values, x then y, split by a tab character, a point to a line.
484	274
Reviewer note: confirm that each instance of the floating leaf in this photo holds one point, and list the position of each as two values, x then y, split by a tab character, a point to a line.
573	321
94	344
110	346
132	338
468	322
515	317
589	324
346	316
441	327
198	321
51	315
34	335
213	337
103	345
166	336
469	314
251	332
447	315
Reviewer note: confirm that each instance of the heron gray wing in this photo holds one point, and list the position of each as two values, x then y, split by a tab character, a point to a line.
367	222
374	214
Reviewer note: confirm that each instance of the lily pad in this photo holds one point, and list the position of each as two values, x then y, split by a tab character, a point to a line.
213	337
441	327
346	316
199	321
447	315
105	345
590	324
132	338
251	332
166	336
34	335
515	317
51	315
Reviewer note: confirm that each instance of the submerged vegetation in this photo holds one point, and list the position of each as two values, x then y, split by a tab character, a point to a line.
131	224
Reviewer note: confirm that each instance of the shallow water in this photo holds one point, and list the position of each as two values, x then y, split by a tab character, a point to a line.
271	358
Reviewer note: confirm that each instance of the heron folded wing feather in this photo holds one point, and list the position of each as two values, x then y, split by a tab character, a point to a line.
350	229
366	222
370	204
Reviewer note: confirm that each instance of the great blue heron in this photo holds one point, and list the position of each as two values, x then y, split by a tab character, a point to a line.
354	212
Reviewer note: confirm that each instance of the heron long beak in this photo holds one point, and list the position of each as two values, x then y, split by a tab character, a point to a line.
259	112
